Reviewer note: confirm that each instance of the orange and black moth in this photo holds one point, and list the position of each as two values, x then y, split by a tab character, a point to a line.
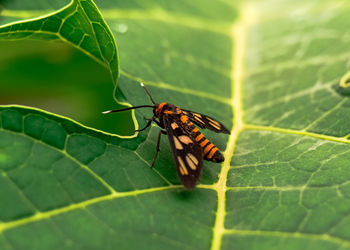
189	146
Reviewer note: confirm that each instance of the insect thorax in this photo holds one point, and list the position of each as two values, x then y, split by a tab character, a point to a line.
166	109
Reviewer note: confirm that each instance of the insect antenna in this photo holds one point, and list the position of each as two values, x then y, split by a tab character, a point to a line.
148	93
129	108
135	107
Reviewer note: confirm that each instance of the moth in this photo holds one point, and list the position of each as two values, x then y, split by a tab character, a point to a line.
189	146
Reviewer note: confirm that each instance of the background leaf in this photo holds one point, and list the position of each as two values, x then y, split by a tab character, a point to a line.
55	76
78	23
284	182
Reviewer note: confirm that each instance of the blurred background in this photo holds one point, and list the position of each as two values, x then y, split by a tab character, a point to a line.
60	79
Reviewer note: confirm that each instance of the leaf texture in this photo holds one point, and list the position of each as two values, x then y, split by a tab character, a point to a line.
270	75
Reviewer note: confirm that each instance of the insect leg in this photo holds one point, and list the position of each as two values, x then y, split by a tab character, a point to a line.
157	148
147	125
160	125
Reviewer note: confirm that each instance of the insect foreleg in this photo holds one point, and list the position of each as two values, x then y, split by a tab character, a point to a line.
159	124
147	125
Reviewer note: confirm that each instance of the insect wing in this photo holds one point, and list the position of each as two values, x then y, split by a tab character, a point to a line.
187	153
204	121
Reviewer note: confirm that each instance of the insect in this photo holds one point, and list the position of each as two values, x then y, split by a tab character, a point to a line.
189	146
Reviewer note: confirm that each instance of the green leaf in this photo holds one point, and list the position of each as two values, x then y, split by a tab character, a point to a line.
272	76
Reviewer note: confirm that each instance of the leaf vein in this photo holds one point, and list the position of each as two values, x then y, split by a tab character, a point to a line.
86	168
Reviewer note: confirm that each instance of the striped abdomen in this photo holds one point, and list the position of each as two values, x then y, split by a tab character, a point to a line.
210	151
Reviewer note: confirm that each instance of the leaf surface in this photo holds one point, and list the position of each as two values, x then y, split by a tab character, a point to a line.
271	76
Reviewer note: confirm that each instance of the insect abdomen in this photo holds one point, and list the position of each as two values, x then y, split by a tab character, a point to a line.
210	151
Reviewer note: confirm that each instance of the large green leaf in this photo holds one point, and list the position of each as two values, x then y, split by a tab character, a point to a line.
284	183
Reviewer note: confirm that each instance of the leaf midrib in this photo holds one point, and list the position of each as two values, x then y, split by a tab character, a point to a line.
238	37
